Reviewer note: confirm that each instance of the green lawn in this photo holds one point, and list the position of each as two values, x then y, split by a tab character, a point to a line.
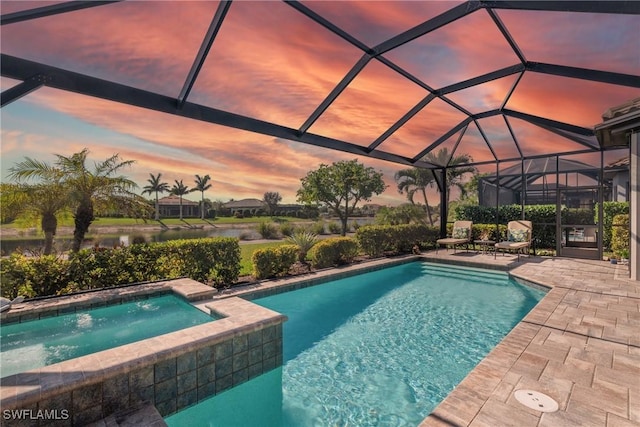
127	222
246	252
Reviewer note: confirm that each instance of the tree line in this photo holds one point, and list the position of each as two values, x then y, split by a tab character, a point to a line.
68	184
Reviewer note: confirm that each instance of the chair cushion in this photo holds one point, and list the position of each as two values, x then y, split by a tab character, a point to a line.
460	233
519	235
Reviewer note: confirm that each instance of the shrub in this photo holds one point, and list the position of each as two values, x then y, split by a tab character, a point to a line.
333	251
355	225
318	228
271	262
334	228
543	218
620	234
138	239
375	240
304	241
610	210
267	230
216	260
287	229
32	276
488	232
577	216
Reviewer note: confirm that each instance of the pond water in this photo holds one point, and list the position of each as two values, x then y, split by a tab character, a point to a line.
63	244
110	240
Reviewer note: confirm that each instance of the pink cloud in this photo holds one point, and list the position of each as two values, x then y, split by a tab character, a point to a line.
125	42
466	48
596	41
242	164
433	121
283	63
565	99
373	22
376	99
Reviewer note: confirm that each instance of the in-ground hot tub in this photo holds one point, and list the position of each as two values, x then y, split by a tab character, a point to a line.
33	344
170	371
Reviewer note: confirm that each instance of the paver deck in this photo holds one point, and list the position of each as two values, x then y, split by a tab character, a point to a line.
580	345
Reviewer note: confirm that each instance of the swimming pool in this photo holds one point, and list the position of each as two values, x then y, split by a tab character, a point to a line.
34	344
381	348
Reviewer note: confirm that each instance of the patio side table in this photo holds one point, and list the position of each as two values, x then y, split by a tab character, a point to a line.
485	245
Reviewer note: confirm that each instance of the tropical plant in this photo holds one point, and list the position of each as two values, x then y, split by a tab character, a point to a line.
202	185
340	186
414	180
44	201
272	198
156	186
179	189
456	169
88	190
304	240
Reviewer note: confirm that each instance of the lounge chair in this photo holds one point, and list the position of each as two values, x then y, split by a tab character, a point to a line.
518	238
461	235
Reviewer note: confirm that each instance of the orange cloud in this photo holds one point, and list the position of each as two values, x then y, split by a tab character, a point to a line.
271	62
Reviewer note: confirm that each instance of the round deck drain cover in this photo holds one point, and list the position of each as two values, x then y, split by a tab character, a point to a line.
536	400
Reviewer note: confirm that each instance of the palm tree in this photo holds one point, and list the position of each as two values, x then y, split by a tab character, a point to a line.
455	171
99	189
46	199
179	189
416	179
155	186
202	185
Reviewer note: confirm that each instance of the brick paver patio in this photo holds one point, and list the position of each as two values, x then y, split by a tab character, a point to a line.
580	345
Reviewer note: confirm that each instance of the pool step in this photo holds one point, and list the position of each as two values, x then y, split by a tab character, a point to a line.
449	272
141	415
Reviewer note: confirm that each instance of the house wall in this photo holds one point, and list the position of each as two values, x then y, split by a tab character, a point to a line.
620	190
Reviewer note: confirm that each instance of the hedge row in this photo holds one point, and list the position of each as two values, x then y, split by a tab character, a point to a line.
375	240
610	210
543	218
214	260
620	235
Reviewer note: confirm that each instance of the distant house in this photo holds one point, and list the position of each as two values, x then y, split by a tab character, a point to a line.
253	207
169	207
246	207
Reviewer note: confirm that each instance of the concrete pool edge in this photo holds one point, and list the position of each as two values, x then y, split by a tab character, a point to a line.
171	371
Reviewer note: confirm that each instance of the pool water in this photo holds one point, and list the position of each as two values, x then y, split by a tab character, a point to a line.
377	349
34	344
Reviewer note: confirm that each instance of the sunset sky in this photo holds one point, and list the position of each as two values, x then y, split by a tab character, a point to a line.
271	62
